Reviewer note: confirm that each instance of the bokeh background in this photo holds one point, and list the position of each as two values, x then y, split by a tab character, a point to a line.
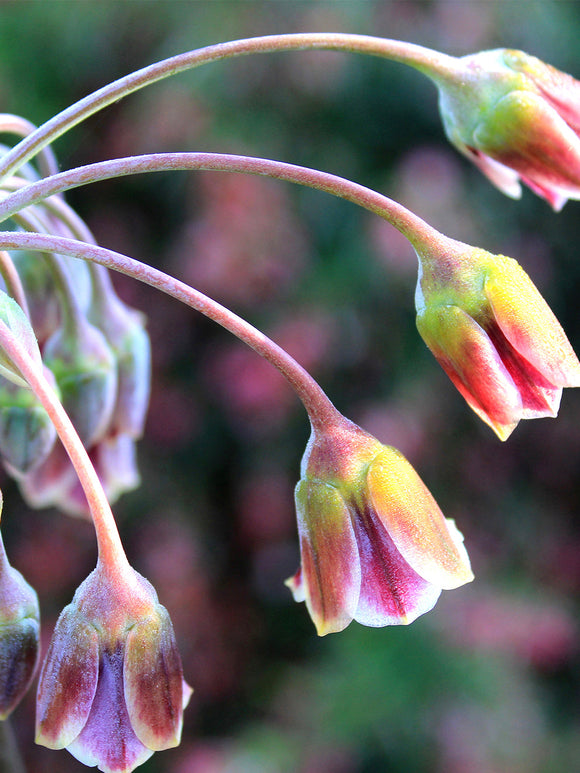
489	681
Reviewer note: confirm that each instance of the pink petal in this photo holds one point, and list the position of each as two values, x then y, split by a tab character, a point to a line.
526	134
154	682
108	739
391	593
330	563
540	398
504	178
555	198
402	503
68	681
468	356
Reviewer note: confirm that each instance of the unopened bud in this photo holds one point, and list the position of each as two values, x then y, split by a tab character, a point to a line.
27	434
19	635
85	371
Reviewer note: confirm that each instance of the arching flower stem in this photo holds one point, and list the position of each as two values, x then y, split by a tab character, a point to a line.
111	553
319	408
421	235
435	65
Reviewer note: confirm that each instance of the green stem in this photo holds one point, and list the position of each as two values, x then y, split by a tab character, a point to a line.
318	406
420	234
14	124
437	66
111	553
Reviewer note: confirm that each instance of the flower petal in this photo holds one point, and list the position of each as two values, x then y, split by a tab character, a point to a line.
527	134
504	178
108	739
414	522
154	682
391	592
18	659
330	576
468	356
540	398
529	324
68	681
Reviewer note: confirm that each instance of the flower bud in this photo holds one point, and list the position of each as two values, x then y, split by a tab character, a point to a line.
493	334
125	332
374	545
19	325
517	119
85	371
27	434
19	635
54	483
111	689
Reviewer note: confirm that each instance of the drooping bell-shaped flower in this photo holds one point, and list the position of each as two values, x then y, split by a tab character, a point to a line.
517	119
374	544
111	689
124	329
86	374
27	434
493	334
19	634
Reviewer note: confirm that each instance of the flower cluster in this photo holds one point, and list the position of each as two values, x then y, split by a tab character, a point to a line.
75	367
95	350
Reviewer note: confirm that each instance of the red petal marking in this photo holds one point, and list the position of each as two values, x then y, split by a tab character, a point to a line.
330	562
526	134
154	682
68	681
540	398
468	356
391	593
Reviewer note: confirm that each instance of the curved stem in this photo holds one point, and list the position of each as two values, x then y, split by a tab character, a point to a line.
435	65
14	124
419	233
13	282
72	315
111	553
319	408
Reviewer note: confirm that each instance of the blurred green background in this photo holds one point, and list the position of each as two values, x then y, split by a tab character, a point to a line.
489	681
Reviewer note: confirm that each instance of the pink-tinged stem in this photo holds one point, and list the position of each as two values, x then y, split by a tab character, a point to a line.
111	553
318	406
12	281
419	233
435	65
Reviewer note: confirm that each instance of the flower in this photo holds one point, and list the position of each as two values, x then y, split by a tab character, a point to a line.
517	119
19	634
111	689
374	545
493	334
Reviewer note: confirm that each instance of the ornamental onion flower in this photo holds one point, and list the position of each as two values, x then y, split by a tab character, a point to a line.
517	119
111	689
374	544
19	634
493	334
